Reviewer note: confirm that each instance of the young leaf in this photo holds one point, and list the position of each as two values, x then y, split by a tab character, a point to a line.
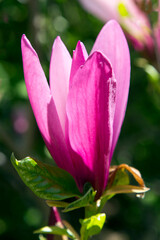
126	189
121	178
92	226
116	177
46	181
55	230
84	201
55	203
69	227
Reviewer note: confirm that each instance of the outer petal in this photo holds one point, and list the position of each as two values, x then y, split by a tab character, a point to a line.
90	111
43	106
111	42
80	55
60	66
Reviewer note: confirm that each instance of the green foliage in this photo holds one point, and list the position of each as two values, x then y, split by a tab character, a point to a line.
125	189
55	203
121	178
84	201
152	73
92	226
46	181
56	231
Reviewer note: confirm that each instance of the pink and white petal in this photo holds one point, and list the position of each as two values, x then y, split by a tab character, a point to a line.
80	55
54	220
43	106
112	43
60	67
103	9
90	111
54	217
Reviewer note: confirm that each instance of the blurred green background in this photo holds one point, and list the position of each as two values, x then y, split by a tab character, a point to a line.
21	212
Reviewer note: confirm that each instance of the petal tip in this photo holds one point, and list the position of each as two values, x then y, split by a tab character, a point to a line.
113	25
25	40
25	44
79	43
57	41
23	36
113	21
80	50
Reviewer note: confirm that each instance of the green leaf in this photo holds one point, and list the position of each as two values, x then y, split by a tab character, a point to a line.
121	178
55	231
41	237
152	73
55	203
84	201
126	189
46	181
92	226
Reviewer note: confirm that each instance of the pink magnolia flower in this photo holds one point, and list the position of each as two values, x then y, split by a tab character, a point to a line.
133	20
80	112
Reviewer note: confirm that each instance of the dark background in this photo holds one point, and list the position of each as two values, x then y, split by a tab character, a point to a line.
21	212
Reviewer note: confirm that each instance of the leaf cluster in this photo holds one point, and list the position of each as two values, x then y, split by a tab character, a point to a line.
59	188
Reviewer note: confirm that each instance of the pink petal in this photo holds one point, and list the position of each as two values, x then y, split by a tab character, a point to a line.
80	55
90	111
54	217
43	106
112	43
103	9
54	220
60	66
